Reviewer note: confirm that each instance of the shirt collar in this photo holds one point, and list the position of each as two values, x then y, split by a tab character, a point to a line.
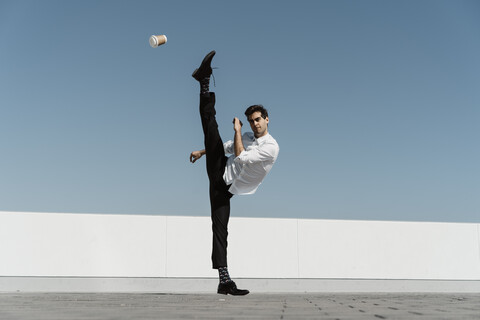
261	139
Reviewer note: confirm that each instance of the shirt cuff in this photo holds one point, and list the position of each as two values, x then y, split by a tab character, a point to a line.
241	157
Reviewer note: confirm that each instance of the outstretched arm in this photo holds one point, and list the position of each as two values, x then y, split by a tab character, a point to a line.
195	155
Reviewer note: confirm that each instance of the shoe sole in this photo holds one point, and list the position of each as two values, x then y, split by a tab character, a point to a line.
226	293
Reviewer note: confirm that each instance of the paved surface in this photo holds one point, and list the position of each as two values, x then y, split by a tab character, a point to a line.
67	306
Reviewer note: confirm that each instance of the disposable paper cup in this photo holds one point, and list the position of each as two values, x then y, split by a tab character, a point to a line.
156	41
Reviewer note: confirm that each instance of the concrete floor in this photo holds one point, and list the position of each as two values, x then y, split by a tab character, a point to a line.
66	306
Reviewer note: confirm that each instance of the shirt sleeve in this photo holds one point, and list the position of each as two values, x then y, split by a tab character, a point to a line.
228	147
264	153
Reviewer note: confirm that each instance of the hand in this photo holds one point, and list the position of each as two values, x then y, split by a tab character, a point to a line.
195	155
237	124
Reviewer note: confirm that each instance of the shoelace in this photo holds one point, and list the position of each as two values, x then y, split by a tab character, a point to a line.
214	76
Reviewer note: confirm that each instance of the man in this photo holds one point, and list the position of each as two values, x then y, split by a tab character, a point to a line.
253	155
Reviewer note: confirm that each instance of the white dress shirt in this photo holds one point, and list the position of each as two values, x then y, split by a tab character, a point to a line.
247	171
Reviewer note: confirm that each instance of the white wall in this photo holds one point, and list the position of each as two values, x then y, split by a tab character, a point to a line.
95	245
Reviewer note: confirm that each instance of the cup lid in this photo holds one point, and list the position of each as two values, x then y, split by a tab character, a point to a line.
153	42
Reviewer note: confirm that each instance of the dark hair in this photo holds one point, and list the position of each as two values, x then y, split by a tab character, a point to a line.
255	108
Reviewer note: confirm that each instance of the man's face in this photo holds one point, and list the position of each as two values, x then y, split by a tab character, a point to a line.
258	124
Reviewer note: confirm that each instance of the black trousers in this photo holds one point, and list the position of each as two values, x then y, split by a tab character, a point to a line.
219	194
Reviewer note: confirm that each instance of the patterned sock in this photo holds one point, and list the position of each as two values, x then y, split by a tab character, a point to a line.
205	85
223	275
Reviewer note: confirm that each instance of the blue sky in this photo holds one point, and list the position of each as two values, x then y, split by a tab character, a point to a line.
375	106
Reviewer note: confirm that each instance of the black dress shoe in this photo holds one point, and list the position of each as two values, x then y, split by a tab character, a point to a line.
205	70
231	288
